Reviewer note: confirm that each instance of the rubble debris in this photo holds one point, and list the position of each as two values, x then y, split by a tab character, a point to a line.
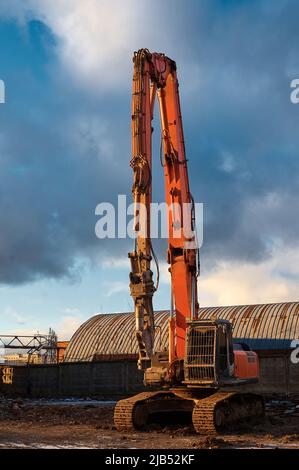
55	423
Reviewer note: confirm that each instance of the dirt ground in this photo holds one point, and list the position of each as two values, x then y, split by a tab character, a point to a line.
89	424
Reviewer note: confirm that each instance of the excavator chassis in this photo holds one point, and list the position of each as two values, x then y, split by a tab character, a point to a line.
194	355
210	415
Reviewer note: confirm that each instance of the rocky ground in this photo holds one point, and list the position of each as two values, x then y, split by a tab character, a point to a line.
89	424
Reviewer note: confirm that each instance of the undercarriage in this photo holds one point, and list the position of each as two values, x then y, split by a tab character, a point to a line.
210	412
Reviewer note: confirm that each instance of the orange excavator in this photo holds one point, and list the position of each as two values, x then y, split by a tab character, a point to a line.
203	374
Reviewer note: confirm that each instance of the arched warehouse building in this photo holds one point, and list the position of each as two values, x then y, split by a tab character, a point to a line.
266	328
101	357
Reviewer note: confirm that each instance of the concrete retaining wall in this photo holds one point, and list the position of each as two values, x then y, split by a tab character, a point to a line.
113	379
109	379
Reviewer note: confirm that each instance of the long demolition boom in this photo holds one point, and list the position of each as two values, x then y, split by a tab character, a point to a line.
155	74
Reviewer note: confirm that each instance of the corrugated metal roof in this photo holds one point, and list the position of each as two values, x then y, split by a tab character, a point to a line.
267	326
112	333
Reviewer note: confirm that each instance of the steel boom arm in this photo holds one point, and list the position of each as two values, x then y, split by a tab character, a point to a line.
155	74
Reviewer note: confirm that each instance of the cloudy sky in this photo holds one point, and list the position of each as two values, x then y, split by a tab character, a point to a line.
65	147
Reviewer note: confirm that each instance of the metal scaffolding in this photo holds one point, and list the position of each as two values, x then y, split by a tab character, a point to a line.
46	343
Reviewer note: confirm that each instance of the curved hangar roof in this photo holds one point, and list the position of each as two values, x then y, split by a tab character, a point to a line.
268	326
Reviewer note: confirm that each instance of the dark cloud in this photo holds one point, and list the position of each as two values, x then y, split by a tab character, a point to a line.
242	130
63	150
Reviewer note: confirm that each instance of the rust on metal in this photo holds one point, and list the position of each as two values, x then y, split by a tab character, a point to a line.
111	334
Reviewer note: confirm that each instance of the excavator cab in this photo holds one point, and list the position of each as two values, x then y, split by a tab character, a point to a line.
209	360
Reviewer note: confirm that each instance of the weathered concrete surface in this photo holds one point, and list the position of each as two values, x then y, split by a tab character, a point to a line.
113	379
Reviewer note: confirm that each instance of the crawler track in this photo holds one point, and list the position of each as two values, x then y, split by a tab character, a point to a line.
203	416
214	413
210	415
132	413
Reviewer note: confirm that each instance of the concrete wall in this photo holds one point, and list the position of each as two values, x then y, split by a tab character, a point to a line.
109	379
113	379
278	376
